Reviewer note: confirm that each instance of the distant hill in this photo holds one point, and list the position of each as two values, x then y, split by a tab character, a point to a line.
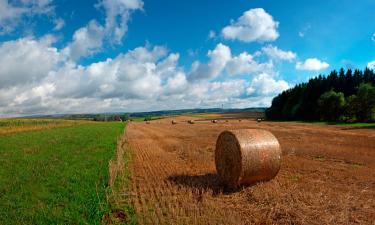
159	113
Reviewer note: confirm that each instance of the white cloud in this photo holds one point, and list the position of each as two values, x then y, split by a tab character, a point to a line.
89	39
11	14
253	25
266	85
117	16
221	60
59	24
373	37
26	60
86	41
218	60
312	64
38	79
276	53
371	65
244	64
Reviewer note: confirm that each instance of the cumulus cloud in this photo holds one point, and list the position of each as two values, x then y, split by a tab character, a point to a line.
371	65
27	60
253	25
373	37
312	64
266	85
221	60
11	14
245	64
89	39
45	81
276	53
86	41
218	60
117	16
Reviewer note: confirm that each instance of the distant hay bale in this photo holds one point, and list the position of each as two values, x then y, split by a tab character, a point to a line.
259	120
191	121
147	122
247	156
239	120
174	122
214	121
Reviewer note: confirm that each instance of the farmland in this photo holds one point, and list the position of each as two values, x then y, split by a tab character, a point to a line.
69	172
55	171
326	177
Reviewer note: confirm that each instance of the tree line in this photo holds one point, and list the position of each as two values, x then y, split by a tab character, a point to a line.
343	96
104	117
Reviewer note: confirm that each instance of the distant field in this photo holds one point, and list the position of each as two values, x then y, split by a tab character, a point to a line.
55	176
229	115
351	125
9	126
141	119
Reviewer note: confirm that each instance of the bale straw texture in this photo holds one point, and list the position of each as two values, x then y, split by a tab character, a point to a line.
247	156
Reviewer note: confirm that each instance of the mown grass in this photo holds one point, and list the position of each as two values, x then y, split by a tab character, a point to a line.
57	176
122	212
359	125
362	125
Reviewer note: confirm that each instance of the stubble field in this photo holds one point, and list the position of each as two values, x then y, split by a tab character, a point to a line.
327	175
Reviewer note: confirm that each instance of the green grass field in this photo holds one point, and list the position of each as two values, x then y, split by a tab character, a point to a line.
359	125
353	125
57	176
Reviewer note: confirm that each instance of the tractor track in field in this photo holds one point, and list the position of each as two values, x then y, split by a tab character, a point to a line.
327	176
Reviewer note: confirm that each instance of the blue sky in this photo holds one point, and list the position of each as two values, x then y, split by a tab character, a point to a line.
131	55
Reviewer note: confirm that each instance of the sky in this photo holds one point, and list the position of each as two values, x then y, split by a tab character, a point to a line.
95	56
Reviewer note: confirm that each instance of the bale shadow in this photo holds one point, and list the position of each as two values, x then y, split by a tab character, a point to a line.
210	181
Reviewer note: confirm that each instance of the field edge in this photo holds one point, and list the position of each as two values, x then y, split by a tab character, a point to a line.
122	211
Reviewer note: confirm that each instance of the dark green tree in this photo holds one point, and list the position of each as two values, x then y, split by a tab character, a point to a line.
125	117
301	101
331	105
364	103
148	118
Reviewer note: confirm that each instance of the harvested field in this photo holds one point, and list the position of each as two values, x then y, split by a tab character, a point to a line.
327	175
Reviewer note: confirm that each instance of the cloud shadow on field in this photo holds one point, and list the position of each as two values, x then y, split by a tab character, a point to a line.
209	181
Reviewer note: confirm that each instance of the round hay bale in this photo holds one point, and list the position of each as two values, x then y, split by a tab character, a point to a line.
214	121
147	122
174	122
247	156
191	121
